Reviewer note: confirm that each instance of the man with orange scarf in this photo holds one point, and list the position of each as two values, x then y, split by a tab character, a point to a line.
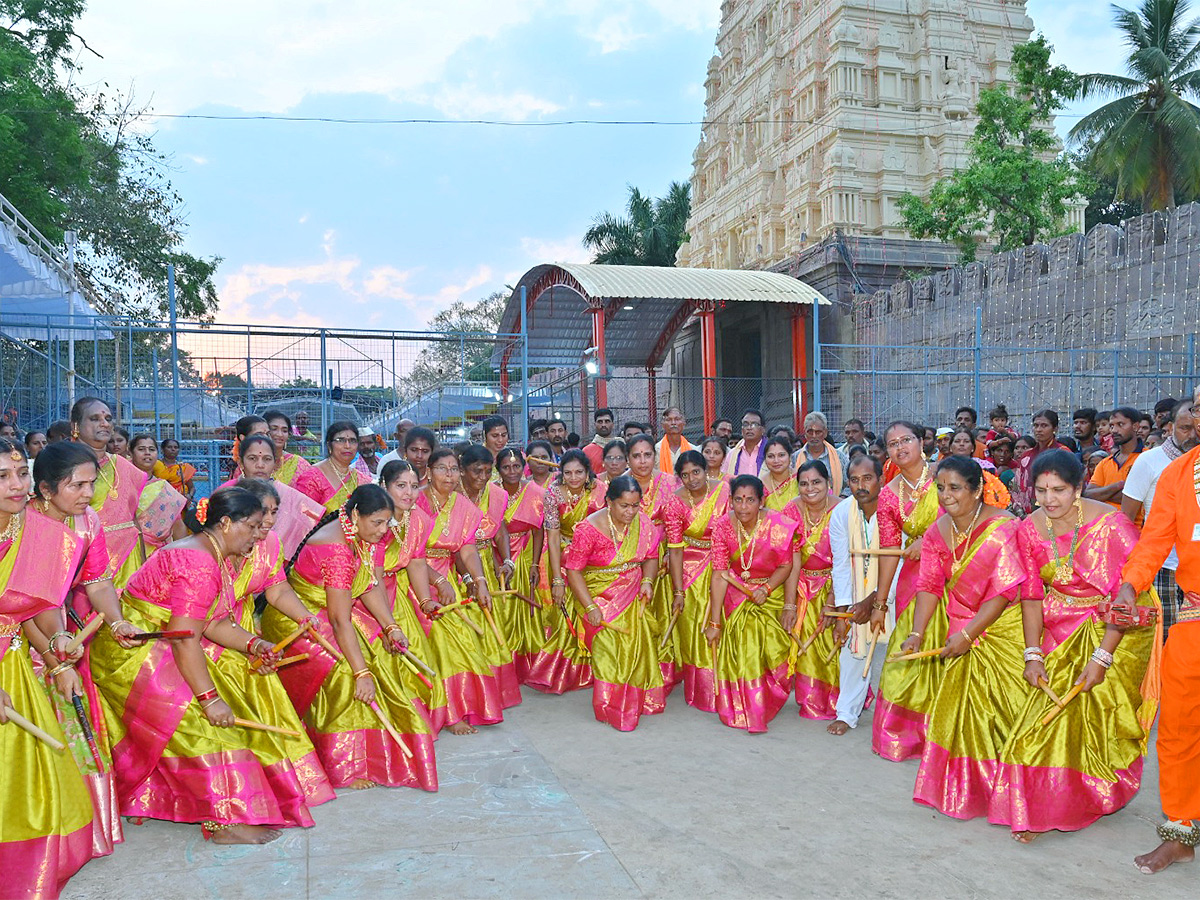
673	442
1174	520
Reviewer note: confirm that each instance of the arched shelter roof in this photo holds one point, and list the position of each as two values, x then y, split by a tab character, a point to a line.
644	307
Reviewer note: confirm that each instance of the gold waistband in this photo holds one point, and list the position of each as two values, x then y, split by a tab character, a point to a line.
438	553
12	629
1053	592
819	573
618	569
697	543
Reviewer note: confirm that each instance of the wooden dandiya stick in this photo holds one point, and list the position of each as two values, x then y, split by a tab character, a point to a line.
506	592
84	633
262	726
387	724
613	626
282	644
837	646
1071	695
917	654
412	665
670	627
74	617
88	734
876	551
870	653
1045	686
463	615
491	620
808	642
287	661
533	604
457	604
714	663
529	460
162	635
323	642
21	722
737	584
838	615
412	659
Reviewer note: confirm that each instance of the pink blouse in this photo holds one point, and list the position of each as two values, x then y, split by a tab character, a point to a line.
185	581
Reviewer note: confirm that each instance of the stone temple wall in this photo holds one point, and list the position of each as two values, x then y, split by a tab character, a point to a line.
1097	320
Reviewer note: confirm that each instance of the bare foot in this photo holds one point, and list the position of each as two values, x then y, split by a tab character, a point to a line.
360	784
1026	837
1163	855
246	834
461	728
837	727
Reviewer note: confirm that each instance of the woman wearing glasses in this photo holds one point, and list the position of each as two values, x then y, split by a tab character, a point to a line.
332	480
907	504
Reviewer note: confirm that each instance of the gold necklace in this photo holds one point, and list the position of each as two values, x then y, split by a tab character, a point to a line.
226	579
810	524
692	502
12	529
1064	569
747	540
612	531
913	489
960	537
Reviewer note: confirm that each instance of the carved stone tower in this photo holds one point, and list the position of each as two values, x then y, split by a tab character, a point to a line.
821	113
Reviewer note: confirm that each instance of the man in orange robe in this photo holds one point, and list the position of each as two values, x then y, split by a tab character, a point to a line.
1175	520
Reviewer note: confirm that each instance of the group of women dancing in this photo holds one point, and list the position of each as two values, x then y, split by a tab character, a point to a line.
312	631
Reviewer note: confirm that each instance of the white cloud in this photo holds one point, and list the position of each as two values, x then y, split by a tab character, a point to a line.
566	250
198	160
268	55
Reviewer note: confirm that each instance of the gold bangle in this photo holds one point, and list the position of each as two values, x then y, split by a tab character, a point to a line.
59	669
362	673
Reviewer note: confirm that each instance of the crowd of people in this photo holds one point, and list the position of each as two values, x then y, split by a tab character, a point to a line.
315	623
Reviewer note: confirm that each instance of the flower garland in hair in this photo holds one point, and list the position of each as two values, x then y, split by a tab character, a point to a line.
360	547
202	511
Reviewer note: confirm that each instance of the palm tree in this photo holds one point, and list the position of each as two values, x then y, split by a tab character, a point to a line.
649	235
1148	138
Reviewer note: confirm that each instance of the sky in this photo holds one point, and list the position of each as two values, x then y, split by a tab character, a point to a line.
385	225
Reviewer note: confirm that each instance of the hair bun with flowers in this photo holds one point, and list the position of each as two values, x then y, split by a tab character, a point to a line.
202	511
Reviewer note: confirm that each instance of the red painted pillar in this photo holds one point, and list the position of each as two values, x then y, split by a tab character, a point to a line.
652	398
799	364
708	358
601	378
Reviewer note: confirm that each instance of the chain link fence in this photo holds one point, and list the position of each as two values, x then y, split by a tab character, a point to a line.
194	381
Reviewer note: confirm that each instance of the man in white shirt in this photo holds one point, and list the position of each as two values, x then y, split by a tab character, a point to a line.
865	477
401	430
1138	495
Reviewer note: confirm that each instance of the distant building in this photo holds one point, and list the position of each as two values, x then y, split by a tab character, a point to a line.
820	114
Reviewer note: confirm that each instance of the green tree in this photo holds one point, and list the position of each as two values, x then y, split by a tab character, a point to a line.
1149	137
72	161
460	359
649	235
1016	186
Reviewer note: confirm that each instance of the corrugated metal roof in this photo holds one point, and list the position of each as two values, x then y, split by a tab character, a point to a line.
560	323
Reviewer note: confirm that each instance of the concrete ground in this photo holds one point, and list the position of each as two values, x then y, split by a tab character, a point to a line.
552	804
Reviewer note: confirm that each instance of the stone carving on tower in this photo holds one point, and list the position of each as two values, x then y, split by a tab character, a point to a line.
821	113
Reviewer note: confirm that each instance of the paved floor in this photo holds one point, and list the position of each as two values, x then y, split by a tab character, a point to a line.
552	804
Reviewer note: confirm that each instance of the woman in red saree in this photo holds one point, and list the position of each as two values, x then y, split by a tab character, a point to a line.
406	581
289	466
809	586
753	547
690	519
908	506
521	618
298	513
46	832
331	481
564	662
346	702
64	481
611	565
481	680
170	707
1087	762
137	517
658	492
970	560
